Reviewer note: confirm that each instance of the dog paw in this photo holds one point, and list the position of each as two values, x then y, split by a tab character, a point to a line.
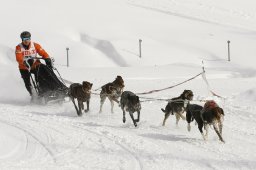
203	136
189	128
124	120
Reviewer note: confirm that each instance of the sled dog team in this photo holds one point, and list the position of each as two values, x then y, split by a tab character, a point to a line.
210	114
50	87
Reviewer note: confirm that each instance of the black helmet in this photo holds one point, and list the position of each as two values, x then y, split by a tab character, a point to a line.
25	34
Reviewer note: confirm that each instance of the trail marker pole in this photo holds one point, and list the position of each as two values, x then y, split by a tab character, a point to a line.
67	57
228	50
140	46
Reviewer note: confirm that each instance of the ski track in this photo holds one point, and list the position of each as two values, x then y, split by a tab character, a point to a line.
44	125
17	125
134	155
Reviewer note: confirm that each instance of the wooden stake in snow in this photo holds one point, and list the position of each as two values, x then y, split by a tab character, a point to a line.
140	46
67	57
228	50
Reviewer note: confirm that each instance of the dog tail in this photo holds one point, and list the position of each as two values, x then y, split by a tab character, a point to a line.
218	113
163	110
222	112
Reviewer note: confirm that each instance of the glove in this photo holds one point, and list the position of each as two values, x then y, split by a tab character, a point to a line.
48	62
28	61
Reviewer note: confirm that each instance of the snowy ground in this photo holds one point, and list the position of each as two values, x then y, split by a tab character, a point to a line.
102	36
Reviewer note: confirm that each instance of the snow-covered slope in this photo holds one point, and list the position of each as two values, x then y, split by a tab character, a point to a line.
103	37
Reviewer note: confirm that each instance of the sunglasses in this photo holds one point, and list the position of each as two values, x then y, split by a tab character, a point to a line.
25	39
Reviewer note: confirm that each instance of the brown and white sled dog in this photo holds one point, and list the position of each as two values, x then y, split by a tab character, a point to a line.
131	103
112	91
206	116
81	92
177	106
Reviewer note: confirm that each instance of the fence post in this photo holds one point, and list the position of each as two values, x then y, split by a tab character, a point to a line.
67	57
228	50
140	46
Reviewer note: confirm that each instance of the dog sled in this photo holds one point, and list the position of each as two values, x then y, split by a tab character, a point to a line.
47	87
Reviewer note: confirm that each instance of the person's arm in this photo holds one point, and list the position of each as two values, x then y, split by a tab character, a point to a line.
19	55
44	54
41	51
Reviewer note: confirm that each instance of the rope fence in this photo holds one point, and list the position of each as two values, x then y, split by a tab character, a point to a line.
148	99
154	91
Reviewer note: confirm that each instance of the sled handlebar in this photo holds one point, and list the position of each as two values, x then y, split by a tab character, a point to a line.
52	59
38	58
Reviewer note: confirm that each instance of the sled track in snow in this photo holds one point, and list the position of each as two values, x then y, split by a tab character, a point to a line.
54	129
132	154
100	135
34	137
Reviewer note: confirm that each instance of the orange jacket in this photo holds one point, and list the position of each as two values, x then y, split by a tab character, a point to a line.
20	53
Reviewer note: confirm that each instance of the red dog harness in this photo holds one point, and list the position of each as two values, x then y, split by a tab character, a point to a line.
210	105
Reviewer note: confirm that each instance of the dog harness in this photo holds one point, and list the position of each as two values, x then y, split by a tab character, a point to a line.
210	105
186	103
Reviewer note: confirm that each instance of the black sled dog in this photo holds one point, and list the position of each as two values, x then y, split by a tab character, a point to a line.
210	114
131	103
177	106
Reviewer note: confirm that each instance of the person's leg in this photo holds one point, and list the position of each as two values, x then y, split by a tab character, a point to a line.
25	74
40	85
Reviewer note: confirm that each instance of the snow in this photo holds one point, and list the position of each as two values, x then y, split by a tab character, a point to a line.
103	38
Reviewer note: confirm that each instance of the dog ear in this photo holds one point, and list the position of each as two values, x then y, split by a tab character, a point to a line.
119	78
187	93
